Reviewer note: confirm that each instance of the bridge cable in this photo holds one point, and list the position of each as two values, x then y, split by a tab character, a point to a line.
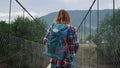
86	14
24	8
97	26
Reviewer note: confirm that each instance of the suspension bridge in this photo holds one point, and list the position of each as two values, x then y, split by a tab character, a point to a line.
100	50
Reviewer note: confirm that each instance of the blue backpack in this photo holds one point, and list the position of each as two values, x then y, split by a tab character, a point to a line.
57	44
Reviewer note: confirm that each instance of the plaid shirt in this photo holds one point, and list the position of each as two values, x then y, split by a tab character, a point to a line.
73	43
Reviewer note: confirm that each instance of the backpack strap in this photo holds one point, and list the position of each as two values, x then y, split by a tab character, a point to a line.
67	46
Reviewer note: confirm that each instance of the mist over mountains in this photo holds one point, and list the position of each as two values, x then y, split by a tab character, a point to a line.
78	15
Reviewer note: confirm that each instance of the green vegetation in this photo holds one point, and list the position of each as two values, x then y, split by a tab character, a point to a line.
33	30
104	51
20	43
108	40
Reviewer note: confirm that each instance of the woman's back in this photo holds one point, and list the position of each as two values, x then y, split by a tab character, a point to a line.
72	40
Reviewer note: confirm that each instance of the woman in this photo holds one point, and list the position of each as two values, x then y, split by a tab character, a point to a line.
72	40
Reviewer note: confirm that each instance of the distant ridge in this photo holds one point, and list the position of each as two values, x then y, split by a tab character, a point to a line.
77	16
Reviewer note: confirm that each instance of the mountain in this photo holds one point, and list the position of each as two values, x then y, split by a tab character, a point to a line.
78	15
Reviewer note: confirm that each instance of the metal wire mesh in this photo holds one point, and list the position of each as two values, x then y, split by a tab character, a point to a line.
95	50
17	50
101	50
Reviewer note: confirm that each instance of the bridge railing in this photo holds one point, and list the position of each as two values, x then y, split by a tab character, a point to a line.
21	38
98	48
99	44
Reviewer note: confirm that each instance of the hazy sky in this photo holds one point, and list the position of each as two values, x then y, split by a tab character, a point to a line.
43	7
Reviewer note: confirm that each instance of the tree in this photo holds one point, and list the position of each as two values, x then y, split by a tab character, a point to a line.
39	29
4	27
4	41
108	39
20	39
33	30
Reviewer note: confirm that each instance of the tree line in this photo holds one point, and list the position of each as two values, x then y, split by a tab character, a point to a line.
108	39
21	42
